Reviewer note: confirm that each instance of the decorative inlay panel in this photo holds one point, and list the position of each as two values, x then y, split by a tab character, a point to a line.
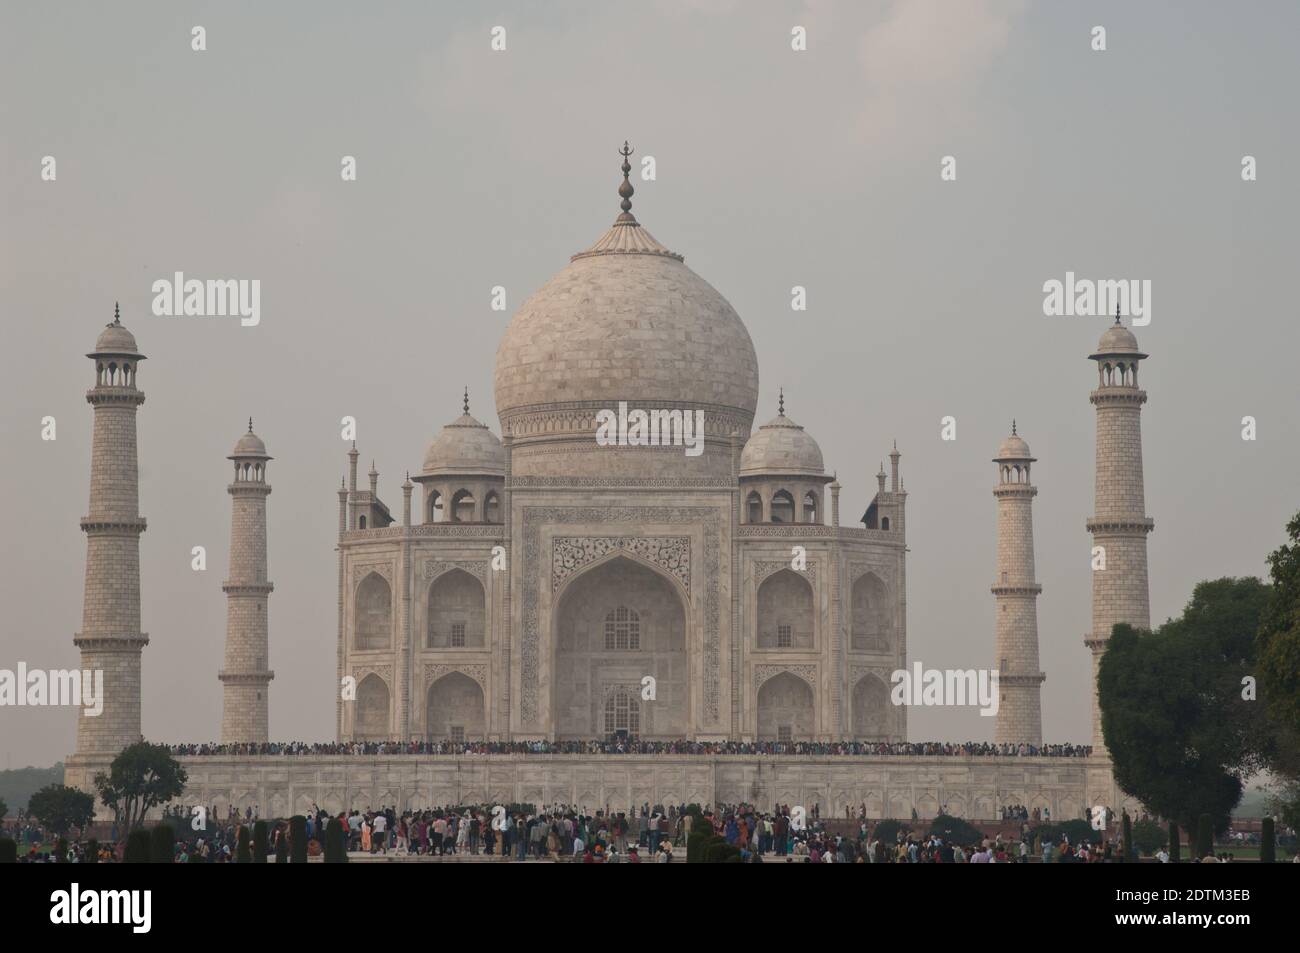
475	567
763	672
571	553
383	671
435	671
360	571
763	569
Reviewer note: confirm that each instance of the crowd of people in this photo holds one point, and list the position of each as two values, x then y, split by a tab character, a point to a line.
576	834
638	746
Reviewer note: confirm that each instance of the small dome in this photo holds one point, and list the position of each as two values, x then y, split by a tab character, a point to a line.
115	339
1117	340
1014	448
465	447
781	446
249	445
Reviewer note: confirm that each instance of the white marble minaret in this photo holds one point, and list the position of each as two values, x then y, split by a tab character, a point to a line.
110	639
1019	718
245	678
1119	525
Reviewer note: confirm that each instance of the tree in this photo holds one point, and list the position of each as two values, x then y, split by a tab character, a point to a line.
259	842
1267	842
1126	834
141	777
60	807
1148	837
1180	734
139	847
162	844
298	839
335	846
4	809
1175	848
8	850
1278	650
1204	836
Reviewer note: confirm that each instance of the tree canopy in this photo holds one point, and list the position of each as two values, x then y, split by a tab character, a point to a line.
141	777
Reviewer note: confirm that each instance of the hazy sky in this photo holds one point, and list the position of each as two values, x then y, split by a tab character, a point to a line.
775	168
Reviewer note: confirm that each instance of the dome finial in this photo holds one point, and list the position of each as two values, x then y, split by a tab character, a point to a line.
466	405
250	424
1116	314
626	190
1013	426
780	407
117	316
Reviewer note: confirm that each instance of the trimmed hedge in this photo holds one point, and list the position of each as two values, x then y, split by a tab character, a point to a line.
8	850
243	846
260	846
335	846
1267	842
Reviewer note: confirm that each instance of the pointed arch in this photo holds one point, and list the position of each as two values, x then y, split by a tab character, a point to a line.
372	622
371	722
786	611
456	611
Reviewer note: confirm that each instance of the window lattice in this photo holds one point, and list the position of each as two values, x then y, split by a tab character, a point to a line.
622	713
622	630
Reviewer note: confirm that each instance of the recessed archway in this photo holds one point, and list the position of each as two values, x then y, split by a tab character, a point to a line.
455	709
615	623
785	709
372	710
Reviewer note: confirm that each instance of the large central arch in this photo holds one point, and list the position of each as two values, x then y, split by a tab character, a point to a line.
615	623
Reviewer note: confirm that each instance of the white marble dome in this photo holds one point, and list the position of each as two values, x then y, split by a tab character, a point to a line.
626	320
1014	448
249	445
781	446
1117	340
465	447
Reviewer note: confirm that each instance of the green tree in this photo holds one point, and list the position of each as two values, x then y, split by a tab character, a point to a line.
4	808
1126	835
1204	836
1148	837
298	839
1267	842
60	807
1180	735
162	844
1278	652
335	846
8	850
1175	847
260	848
139	847
141	777
954	830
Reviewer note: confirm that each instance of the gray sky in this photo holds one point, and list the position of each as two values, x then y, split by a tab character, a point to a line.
775	168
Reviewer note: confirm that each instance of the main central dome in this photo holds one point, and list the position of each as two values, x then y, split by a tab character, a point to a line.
625	320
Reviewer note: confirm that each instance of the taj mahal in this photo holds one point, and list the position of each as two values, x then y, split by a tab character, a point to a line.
541	586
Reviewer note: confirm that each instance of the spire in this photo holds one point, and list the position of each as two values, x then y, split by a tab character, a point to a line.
466	399
1013	426
1116	314
781	402
626	190
250	424
117	316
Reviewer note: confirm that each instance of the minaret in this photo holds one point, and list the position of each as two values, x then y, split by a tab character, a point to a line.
110	639
1019	717
1119	525
245	678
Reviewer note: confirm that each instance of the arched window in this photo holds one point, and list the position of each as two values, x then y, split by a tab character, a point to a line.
810	507
755	506
492	508
433	508
462	507
622	713
623	630
363	519
884	523
457	612
782	507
